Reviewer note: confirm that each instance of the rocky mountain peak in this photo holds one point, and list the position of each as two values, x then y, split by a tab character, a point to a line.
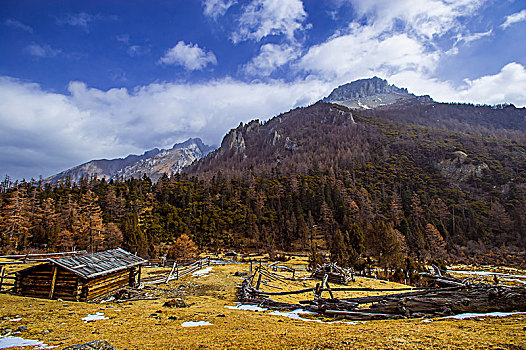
371	93
364	88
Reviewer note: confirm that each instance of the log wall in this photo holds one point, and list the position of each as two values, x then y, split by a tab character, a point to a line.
99	286
37	282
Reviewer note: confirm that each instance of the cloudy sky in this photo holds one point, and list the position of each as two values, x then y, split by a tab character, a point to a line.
81	80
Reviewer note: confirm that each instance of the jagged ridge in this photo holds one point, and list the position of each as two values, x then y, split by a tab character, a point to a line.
371	93
152	163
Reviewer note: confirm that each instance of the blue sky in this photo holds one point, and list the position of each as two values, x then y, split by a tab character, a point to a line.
81	80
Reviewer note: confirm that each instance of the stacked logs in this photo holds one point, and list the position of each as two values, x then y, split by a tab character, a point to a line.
451	297
336	273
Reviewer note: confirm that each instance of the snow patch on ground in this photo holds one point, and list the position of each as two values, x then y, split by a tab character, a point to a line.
291	314
16	319
247	307
94	317
11	342
296	316
486	273
196	324
202	272
489	314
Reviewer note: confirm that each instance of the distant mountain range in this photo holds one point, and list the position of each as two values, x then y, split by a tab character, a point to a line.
284	138
153	163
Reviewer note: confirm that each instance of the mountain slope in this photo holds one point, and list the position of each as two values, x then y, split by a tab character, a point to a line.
455	169
152	163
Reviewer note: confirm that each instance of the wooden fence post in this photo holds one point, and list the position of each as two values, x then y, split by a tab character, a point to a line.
259	280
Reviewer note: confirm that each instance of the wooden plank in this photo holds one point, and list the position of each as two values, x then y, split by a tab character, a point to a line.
106	272
302	291
91	282
53	281
117	279
2	278
171	272
361	315
78	266
92	294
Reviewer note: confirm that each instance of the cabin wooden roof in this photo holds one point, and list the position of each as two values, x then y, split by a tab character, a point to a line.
100	263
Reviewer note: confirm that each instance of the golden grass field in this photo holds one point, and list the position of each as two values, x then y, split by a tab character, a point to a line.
147	324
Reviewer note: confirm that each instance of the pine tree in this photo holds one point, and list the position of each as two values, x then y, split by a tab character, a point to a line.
112	236
396	211
435	240
339	250
15	221
65	240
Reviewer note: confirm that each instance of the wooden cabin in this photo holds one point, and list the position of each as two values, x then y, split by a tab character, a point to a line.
81	278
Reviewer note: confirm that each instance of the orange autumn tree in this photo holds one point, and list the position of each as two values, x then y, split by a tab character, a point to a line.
183	248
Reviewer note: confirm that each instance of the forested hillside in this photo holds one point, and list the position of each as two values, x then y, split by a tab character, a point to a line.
358	183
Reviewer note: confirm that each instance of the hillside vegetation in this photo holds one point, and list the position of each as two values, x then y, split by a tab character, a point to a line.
381	184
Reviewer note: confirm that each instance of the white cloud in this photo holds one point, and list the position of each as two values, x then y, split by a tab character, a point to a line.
43	132
509	85
217	8
271	57
41	51
261	18
13	23
362	53
506	86
425	18
468	38
137	50
393	38
81	20
514	18
191	57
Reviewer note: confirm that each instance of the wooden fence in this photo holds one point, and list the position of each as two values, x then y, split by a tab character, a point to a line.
446	296
179	270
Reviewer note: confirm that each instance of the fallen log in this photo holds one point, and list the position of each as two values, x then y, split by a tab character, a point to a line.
377	298
362	316
472	299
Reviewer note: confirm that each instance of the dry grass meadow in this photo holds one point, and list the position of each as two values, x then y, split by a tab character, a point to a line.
147	324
